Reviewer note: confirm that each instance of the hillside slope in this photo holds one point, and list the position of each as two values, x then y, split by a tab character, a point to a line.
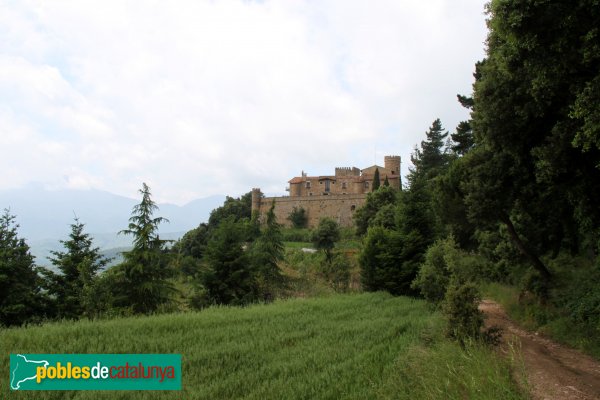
344	346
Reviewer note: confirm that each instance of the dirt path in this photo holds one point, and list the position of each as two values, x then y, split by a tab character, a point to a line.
553	371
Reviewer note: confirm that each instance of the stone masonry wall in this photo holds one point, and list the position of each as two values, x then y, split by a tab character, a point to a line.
341	208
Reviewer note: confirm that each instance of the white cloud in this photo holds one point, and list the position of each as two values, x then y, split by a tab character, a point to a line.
200	98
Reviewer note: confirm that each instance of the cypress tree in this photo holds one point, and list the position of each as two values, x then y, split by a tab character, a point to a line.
376	181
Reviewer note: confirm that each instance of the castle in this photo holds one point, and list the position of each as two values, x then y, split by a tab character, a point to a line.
336	196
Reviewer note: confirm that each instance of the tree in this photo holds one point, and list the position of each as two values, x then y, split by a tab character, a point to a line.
430	158
193	243
20	296
393	253
326	235
533	171
374	202
463	139
188	251
230	278
78	266
145	270
449	203
298	217
267	252
386	261
386	183
240	209
376	180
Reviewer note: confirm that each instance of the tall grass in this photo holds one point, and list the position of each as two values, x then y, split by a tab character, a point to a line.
342	346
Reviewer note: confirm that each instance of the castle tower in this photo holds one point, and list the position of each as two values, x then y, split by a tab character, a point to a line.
392	163
256	198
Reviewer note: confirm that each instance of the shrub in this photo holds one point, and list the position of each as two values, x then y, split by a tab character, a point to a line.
337	271
298	217
460	307
433	276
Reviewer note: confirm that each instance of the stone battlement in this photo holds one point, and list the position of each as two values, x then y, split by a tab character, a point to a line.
340	207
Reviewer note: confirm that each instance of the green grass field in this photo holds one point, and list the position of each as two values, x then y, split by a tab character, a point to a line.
355	346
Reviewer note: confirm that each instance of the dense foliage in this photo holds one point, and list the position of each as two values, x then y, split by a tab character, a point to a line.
298	217
20	296
512	189
73	287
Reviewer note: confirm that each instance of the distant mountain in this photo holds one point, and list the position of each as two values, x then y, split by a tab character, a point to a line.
45	216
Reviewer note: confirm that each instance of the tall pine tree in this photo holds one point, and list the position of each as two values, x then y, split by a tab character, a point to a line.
145	270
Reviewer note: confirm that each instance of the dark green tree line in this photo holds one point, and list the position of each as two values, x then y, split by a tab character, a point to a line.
21	299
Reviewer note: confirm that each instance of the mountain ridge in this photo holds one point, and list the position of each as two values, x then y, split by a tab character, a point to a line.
44	216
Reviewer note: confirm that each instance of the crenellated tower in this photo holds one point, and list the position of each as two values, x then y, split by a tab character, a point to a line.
392	163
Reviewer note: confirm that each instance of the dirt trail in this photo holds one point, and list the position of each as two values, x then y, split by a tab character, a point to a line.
553	371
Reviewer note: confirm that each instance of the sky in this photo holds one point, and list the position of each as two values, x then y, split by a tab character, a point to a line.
198	98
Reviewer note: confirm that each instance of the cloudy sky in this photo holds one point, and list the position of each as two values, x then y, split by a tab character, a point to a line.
215	97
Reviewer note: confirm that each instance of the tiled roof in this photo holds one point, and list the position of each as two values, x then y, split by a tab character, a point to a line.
324	177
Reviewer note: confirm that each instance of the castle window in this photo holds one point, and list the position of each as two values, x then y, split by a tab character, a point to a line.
310	194
343	185
366	185
308	184
352	207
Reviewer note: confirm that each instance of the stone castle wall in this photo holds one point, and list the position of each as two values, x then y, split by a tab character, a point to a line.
340	208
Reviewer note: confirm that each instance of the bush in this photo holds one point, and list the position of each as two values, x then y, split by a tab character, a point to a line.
464	319
433	276
337	272
298	217
326	235
443	260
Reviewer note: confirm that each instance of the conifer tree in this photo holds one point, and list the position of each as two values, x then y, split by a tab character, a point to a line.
78	266
430	158
20	297
267	251
376	180
230	278
145	271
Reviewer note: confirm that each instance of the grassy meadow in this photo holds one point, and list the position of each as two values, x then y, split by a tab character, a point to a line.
352	346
